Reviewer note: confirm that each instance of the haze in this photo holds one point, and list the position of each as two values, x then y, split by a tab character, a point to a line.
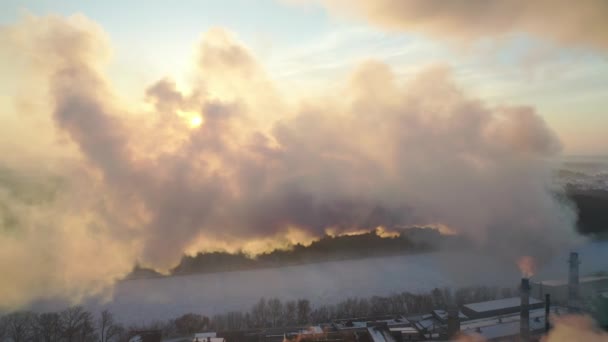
137	133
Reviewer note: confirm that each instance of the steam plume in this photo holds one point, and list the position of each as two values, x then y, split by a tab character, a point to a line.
575	327
379	152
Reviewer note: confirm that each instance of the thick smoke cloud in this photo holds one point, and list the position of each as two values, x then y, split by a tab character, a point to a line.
378	152
561	22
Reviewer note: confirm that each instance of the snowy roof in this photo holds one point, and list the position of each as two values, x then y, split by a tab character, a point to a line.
145	335
315	329
362	323
505	328
443	315
350	325
205	335
427	323
404	330
498	330
380	335
562	282
507	325
498	304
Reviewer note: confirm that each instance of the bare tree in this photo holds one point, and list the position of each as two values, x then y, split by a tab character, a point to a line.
275	310
258	313
77	324
290	312
48	327
2	328
191	323
303	311
235	320
108	329
87	331
19	326
117	333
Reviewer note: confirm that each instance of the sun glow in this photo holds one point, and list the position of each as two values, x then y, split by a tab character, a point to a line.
195	121
191	118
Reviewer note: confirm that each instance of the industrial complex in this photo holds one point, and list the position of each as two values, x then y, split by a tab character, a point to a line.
526	317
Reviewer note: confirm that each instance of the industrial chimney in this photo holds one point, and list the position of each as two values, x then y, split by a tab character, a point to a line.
524	313
547	312
453	321
573	281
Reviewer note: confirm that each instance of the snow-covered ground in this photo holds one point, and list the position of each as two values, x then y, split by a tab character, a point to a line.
144	300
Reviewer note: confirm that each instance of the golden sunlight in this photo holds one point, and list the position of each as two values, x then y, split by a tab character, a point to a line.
192	118
195	121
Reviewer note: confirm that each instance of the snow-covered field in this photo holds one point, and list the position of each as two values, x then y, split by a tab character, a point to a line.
143	300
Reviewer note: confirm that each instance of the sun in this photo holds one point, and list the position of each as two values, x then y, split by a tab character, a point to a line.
195	121
191	118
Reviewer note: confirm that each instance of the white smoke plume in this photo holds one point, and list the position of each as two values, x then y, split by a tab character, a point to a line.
147	185
575	328
565	329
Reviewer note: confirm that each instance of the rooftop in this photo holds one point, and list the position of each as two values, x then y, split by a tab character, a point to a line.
563	282
507	325
356	323
443	315
498	304
379	334
312	330
205	334
404	330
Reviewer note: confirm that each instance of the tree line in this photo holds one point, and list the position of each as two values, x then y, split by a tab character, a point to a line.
274	313
75	324
370	244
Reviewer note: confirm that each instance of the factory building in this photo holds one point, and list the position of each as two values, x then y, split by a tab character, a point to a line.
523	318
497	307
588	287
508	327
575	290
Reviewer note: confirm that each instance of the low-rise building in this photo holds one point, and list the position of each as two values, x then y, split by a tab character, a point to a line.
588	287
497	307
507	327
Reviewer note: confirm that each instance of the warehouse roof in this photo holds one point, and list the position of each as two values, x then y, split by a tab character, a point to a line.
563	282
498	304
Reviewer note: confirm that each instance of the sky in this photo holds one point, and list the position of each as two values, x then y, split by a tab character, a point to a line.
303	46
135	133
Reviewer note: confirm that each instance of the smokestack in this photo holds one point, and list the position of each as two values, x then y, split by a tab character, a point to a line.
547	311
524	313
573	281
453	321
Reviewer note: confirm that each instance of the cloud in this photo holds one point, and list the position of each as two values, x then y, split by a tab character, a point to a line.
560	22
377	152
